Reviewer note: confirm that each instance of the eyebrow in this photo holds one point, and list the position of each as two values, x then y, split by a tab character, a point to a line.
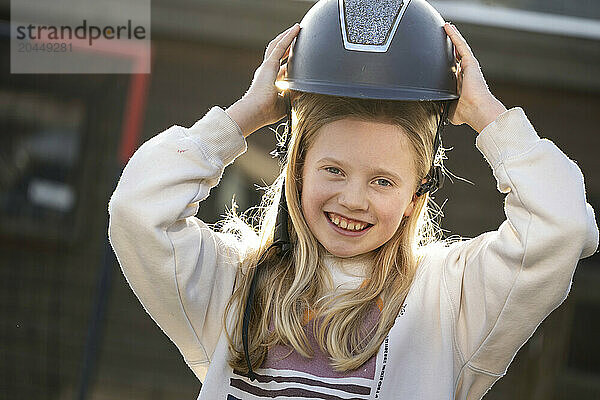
376	171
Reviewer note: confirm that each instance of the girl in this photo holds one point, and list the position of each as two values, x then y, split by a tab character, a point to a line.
362	303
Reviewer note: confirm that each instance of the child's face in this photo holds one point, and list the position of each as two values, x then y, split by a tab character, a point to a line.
357	173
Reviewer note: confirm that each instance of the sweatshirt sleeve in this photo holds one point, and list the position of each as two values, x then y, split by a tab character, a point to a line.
181	271
502	284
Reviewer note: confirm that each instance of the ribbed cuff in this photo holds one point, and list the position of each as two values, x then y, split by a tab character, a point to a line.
220	135
509	135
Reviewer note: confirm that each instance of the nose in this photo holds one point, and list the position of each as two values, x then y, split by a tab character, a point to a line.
354	197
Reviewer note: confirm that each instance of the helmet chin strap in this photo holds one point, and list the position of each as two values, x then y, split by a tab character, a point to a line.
436	173
281	237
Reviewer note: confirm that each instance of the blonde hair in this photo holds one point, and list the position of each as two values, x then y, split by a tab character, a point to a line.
288	289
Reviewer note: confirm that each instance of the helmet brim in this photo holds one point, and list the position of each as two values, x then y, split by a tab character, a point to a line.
362	91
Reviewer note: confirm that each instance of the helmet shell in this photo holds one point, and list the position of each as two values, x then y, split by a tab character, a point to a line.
352	48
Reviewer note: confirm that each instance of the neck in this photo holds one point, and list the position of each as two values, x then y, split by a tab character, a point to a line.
359	265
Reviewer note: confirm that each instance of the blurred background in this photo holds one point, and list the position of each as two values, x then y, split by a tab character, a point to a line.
70	327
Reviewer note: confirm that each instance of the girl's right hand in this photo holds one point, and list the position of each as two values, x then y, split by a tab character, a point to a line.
262	105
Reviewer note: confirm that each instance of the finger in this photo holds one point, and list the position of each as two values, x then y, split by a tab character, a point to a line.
285	56
282	44
282	72
270	70
456	55
275	40
460	44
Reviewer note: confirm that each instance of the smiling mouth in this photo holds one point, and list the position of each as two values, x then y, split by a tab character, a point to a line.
347	224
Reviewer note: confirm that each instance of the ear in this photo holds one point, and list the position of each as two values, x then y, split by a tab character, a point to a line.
410	207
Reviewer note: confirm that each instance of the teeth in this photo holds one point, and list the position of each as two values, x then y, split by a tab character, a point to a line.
352	226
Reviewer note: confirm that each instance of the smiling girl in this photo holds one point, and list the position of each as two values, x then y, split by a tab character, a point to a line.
341	292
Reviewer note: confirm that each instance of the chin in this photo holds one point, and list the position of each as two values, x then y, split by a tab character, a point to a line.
344	253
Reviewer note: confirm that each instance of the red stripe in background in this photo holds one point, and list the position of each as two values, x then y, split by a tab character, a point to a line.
140	56
133	116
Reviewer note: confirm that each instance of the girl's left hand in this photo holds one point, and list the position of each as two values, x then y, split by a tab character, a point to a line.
476	105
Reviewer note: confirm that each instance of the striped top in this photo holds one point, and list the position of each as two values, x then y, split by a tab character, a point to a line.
287	373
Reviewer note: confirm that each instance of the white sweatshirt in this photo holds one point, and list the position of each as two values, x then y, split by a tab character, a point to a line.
472	305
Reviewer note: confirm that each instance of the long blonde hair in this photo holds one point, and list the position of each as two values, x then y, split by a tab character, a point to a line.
288	289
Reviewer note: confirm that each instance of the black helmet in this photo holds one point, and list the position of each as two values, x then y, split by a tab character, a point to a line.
373	49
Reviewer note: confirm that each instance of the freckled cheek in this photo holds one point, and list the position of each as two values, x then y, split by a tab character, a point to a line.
316	192
310	200
390	211
314	200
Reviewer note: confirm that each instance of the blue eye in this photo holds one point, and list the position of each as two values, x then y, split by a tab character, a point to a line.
385	182
333	170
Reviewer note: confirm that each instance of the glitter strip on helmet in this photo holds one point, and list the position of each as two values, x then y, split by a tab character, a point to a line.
370	25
